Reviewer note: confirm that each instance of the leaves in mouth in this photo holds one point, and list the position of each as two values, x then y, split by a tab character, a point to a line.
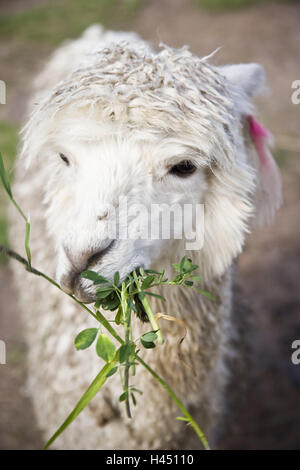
140	311
93	276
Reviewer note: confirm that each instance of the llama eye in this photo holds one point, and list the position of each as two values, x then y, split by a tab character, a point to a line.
183	169
64	158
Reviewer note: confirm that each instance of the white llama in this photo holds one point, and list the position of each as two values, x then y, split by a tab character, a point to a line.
110	118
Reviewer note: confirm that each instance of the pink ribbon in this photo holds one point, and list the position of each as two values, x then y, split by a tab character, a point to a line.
269	179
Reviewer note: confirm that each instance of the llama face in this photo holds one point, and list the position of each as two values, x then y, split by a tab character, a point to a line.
108	200
112	133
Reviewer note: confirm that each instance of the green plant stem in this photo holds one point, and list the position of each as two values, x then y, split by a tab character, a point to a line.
132	368
174	397
95	386
99	317
19	209
148	310
126	318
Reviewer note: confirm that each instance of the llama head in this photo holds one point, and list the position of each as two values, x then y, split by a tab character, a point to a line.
135	132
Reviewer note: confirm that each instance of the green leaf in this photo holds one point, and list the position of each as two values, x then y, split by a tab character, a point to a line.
133	399
151	271
196	278
131	305
207	294
27	236
129	280
4	177
137	390
187	266
95	386
177	279
117	278
118	317
112	372
85	338
176	266
105	347
102	293
191	268
149	337
147	344
111	302
123	396
102	281
142	271
155	295
124	353
188	283
105	288
93	276
147	282
141	295
182	263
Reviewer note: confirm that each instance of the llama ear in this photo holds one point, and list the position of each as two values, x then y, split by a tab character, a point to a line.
248	79
245	81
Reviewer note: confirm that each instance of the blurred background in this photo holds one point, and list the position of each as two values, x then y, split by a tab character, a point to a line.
267	32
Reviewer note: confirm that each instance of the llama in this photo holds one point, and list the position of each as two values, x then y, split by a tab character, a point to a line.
111	117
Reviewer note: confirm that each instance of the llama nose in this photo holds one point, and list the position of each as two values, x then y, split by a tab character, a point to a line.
89	258
104	211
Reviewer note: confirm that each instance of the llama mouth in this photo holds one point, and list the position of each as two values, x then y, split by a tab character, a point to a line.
72	285
88	297
82	294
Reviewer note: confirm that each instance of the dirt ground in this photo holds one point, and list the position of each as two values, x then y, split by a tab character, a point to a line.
269	268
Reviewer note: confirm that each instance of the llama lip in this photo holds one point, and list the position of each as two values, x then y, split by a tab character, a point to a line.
82	294
71	283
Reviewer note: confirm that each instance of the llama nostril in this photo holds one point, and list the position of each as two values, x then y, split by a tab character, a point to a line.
103	215
96	257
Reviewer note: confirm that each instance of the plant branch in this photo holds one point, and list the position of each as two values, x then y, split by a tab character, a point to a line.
95	386
107	325
126	318
174	397
148	310
99	317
